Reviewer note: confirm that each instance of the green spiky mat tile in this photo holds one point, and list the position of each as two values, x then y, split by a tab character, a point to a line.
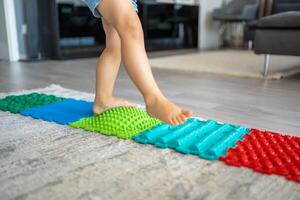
19	103
122	122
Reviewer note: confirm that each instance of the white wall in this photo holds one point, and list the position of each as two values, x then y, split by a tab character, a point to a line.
9	38
4	55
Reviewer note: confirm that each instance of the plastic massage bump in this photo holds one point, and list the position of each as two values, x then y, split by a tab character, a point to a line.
267	152
207	139
18	103
122	122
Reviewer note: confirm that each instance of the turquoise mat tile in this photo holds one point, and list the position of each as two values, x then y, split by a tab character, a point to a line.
207	139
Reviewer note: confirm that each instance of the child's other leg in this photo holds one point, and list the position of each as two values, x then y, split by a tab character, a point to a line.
107	69
121	15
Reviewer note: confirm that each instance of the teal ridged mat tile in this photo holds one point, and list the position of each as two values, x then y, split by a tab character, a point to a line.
19	103
207	139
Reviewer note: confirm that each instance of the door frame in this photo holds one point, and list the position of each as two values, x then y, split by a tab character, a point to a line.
11	30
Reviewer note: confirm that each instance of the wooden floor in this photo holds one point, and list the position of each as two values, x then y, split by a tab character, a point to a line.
265	104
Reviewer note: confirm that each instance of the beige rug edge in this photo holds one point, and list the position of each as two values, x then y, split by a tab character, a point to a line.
226	62
271	76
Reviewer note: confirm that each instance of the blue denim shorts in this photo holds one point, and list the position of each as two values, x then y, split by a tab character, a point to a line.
92	4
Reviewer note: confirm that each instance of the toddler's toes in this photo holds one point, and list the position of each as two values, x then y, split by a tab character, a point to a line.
183	117
187	113
174	121
179	119
166	111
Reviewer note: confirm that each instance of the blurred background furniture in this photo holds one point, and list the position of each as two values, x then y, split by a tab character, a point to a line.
270	7
208	36
63	29
60	29
277	31
168	26
285	5
277	34
236	11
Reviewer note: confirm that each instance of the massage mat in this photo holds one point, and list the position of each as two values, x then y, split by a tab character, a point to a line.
62	112
267	152
122	122
207	139
19	103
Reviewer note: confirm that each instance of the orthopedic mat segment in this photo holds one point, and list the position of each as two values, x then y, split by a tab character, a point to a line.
207	139
62	112
122	122
19	103
267	152
263	151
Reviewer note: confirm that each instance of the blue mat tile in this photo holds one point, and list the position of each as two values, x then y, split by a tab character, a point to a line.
207	139
63	112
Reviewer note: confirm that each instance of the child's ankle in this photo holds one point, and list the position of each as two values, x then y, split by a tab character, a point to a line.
151	99
103	99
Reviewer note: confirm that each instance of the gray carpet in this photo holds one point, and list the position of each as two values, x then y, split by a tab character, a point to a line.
42	160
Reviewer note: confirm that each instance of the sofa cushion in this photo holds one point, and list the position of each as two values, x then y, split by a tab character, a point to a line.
283	20
285	5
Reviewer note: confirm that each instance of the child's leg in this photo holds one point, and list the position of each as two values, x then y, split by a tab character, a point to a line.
121	15
107	70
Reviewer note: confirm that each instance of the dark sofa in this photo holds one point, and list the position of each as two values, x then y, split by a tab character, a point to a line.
280	6
278	33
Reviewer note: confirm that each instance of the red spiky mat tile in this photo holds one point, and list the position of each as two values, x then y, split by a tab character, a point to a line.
267	152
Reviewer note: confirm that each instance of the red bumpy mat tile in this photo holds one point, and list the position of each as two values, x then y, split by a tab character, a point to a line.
267	152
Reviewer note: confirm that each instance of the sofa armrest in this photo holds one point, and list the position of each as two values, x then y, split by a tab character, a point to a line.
283	20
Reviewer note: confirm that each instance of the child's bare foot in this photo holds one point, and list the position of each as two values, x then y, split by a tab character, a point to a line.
166	111
100	105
